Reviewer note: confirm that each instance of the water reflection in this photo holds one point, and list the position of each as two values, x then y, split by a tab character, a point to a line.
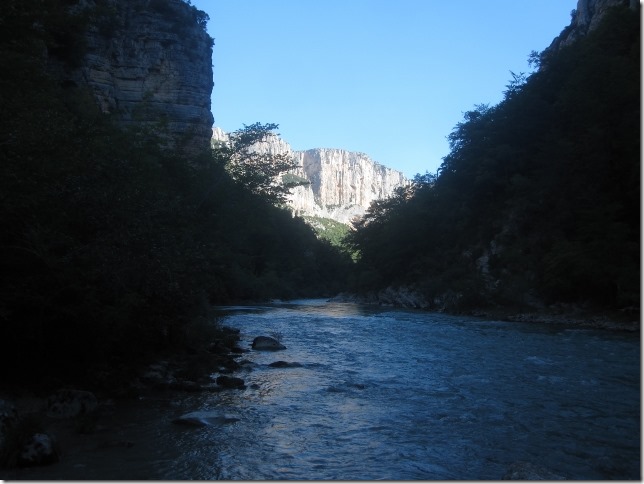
396	395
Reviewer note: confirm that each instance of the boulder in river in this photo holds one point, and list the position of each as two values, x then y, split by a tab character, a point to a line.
266	343
285	364
204	419
230	382
39	450
70	403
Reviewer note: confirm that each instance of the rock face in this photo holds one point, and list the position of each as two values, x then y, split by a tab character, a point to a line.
585	18
149	62
342	183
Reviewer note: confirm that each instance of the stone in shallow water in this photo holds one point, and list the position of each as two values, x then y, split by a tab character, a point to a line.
70	403
38	451
204	419
266	343
230	382
284	364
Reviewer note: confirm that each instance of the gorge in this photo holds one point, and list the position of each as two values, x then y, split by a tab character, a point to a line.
135	273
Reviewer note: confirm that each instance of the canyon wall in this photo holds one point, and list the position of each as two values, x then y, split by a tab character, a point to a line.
342	183
585	18
148	62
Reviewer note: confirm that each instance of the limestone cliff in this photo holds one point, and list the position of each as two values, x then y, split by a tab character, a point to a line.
342	183
148	62
585	18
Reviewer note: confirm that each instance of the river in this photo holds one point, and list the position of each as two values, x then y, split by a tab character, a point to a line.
387	394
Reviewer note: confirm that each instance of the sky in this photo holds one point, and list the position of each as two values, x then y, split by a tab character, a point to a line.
389	78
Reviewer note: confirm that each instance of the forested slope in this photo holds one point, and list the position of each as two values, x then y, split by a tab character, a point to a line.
538	201
110	244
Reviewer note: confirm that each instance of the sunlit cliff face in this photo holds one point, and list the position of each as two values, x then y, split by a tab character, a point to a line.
342	183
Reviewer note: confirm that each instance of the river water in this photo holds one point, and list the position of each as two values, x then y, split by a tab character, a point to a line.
386	394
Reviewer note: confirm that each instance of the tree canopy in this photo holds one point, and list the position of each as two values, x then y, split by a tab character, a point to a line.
539	197
259	172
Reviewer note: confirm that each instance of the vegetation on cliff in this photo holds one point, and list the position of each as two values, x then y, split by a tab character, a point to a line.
538	201
110	244
328	229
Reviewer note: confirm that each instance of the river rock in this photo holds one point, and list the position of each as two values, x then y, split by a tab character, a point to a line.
204	419
526	471
38	451
266	343
8	418
230	382
284	364
158	373
70	403
217	348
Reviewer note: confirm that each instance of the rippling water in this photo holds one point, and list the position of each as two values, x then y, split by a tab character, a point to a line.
396	395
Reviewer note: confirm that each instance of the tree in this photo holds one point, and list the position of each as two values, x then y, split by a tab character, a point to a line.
539	195
256	170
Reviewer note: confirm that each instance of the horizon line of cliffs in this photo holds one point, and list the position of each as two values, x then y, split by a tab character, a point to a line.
342	183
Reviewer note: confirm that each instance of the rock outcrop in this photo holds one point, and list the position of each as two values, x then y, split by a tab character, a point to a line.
585	18
148	62
342	184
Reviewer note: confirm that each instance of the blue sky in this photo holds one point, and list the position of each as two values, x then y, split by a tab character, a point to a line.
389	78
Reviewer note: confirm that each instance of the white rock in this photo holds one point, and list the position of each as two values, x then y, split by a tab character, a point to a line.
342	183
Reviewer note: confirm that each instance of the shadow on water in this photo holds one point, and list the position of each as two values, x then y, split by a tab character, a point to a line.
371	393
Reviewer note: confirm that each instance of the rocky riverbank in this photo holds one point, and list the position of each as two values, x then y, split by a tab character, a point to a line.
627	319
41	428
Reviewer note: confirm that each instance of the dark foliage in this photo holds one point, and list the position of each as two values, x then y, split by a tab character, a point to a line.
539	197
111	245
